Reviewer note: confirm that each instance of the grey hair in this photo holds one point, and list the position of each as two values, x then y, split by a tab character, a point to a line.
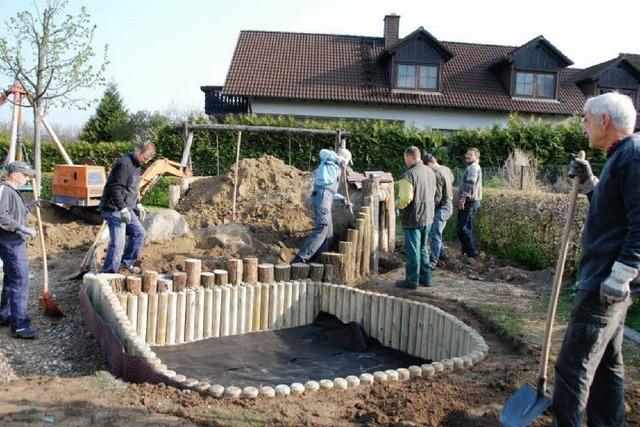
617	106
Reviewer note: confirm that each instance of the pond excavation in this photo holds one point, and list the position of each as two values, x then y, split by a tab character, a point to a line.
252	339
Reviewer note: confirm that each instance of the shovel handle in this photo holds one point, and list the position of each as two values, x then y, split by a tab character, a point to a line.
557	284
346	193
45	270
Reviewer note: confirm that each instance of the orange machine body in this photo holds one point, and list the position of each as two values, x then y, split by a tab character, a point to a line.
78	185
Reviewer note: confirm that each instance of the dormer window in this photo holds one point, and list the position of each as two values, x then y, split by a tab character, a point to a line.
535	85
414	76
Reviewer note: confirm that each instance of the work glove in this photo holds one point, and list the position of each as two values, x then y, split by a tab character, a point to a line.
27	231
615	288
125	215
582	169
141	211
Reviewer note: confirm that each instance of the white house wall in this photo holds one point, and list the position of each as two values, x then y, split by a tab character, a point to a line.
424	118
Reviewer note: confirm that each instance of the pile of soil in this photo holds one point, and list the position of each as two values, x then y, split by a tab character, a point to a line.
271	195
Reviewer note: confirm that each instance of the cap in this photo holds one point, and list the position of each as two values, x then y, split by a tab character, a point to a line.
21	167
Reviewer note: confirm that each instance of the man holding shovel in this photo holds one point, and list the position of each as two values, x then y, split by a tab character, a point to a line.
325	191
13	251
589	370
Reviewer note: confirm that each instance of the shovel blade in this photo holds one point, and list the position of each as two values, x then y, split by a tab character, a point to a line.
523	407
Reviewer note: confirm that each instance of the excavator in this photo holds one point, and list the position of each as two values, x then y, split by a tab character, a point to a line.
78	188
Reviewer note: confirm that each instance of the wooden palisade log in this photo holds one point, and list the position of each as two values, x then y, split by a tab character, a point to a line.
134	284
282	272
250	270
193	268
234	267
337	262
179	281
265	273
150	282
207	280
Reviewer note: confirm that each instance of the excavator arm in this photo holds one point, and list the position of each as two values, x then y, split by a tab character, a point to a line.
160	167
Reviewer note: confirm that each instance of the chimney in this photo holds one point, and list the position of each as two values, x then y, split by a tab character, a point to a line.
391	29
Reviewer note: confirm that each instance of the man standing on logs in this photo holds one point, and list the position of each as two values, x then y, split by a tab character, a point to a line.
119	205
444	205
589	369
325	191
416	196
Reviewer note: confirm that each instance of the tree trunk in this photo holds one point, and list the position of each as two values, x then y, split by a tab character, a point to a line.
37	144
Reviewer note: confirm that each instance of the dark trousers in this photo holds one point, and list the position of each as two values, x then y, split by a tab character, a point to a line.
589	369
321	238
466	217
416	249
15	286
125	242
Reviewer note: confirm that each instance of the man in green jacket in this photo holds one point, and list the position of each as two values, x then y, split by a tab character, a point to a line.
416	194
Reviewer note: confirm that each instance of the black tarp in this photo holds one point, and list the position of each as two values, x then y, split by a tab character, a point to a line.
327	349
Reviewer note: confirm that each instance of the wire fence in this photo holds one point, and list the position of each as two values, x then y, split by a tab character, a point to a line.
547	178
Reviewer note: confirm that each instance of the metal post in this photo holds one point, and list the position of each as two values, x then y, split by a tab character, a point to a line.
235	177
522	177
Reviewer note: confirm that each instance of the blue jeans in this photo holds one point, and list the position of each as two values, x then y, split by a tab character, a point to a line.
15	287
321	238
589	369
442	215
416	249
465	227
122	251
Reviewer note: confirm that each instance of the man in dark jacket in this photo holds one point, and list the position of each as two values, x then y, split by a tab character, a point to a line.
589	369
119	205
13	251
416	193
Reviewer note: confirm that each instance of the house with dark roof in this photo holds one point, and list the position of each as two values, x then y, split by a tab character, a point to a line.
418	79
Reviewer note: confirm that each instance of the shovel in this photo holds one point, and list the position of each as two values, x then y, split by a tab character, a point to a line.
49	306
529	403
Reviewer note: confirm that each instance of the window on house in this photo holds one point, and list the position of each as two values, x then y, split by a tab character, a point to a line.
536	85
629	92
417	77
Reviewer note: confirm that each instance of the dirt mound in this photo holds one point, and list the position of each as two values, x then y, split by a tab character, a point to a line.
271	195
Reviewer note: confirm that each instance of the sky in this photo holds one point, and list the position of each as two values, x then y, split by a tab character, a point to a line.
162	51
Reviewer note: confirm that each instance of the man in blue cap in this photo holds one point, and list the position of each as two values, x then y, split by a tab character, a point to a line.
13	250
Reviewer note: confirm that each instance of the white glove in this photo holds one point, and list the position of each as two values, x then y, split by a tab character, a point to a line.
27	231
142	212
125	215
615	288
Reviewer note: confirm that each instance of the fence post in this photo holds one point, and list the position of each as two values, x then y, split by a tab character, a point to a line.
522	178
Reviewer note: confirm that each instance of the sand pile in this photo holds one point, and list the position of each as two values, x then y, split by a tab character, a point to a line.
271	196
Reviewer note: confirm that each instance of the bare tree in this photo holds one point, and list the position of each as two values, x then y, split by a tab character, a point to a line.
50	52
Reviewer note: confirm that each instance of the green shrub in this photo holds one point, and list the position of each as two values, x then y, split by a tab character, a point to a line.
525	227
159	194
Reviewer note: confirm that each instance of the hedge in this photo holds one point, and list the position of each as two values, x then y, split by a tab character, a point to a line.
376	145
526	227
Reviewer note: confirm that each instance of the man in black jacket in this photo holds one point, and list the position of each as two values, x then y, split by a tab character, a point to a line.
13	250
589	370
119	205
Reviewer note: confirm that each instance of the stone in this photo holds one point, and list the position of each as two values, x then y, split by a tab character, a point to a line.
353	381
366	379
267	391
312	386
380	376
190	382
458	363
447	364
232	392
249	393
415	371
180	378
216	390
233	237
283	390
164	225
340	384
326	384
392	375
428	370
404	374
438	366
297	389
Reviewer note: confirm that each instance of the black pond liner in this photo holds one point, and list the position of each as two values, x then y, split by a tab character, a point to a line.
326	349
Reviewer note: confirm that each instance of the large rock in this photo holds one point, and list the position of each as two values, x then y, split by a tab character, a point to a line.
234	237
164	225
